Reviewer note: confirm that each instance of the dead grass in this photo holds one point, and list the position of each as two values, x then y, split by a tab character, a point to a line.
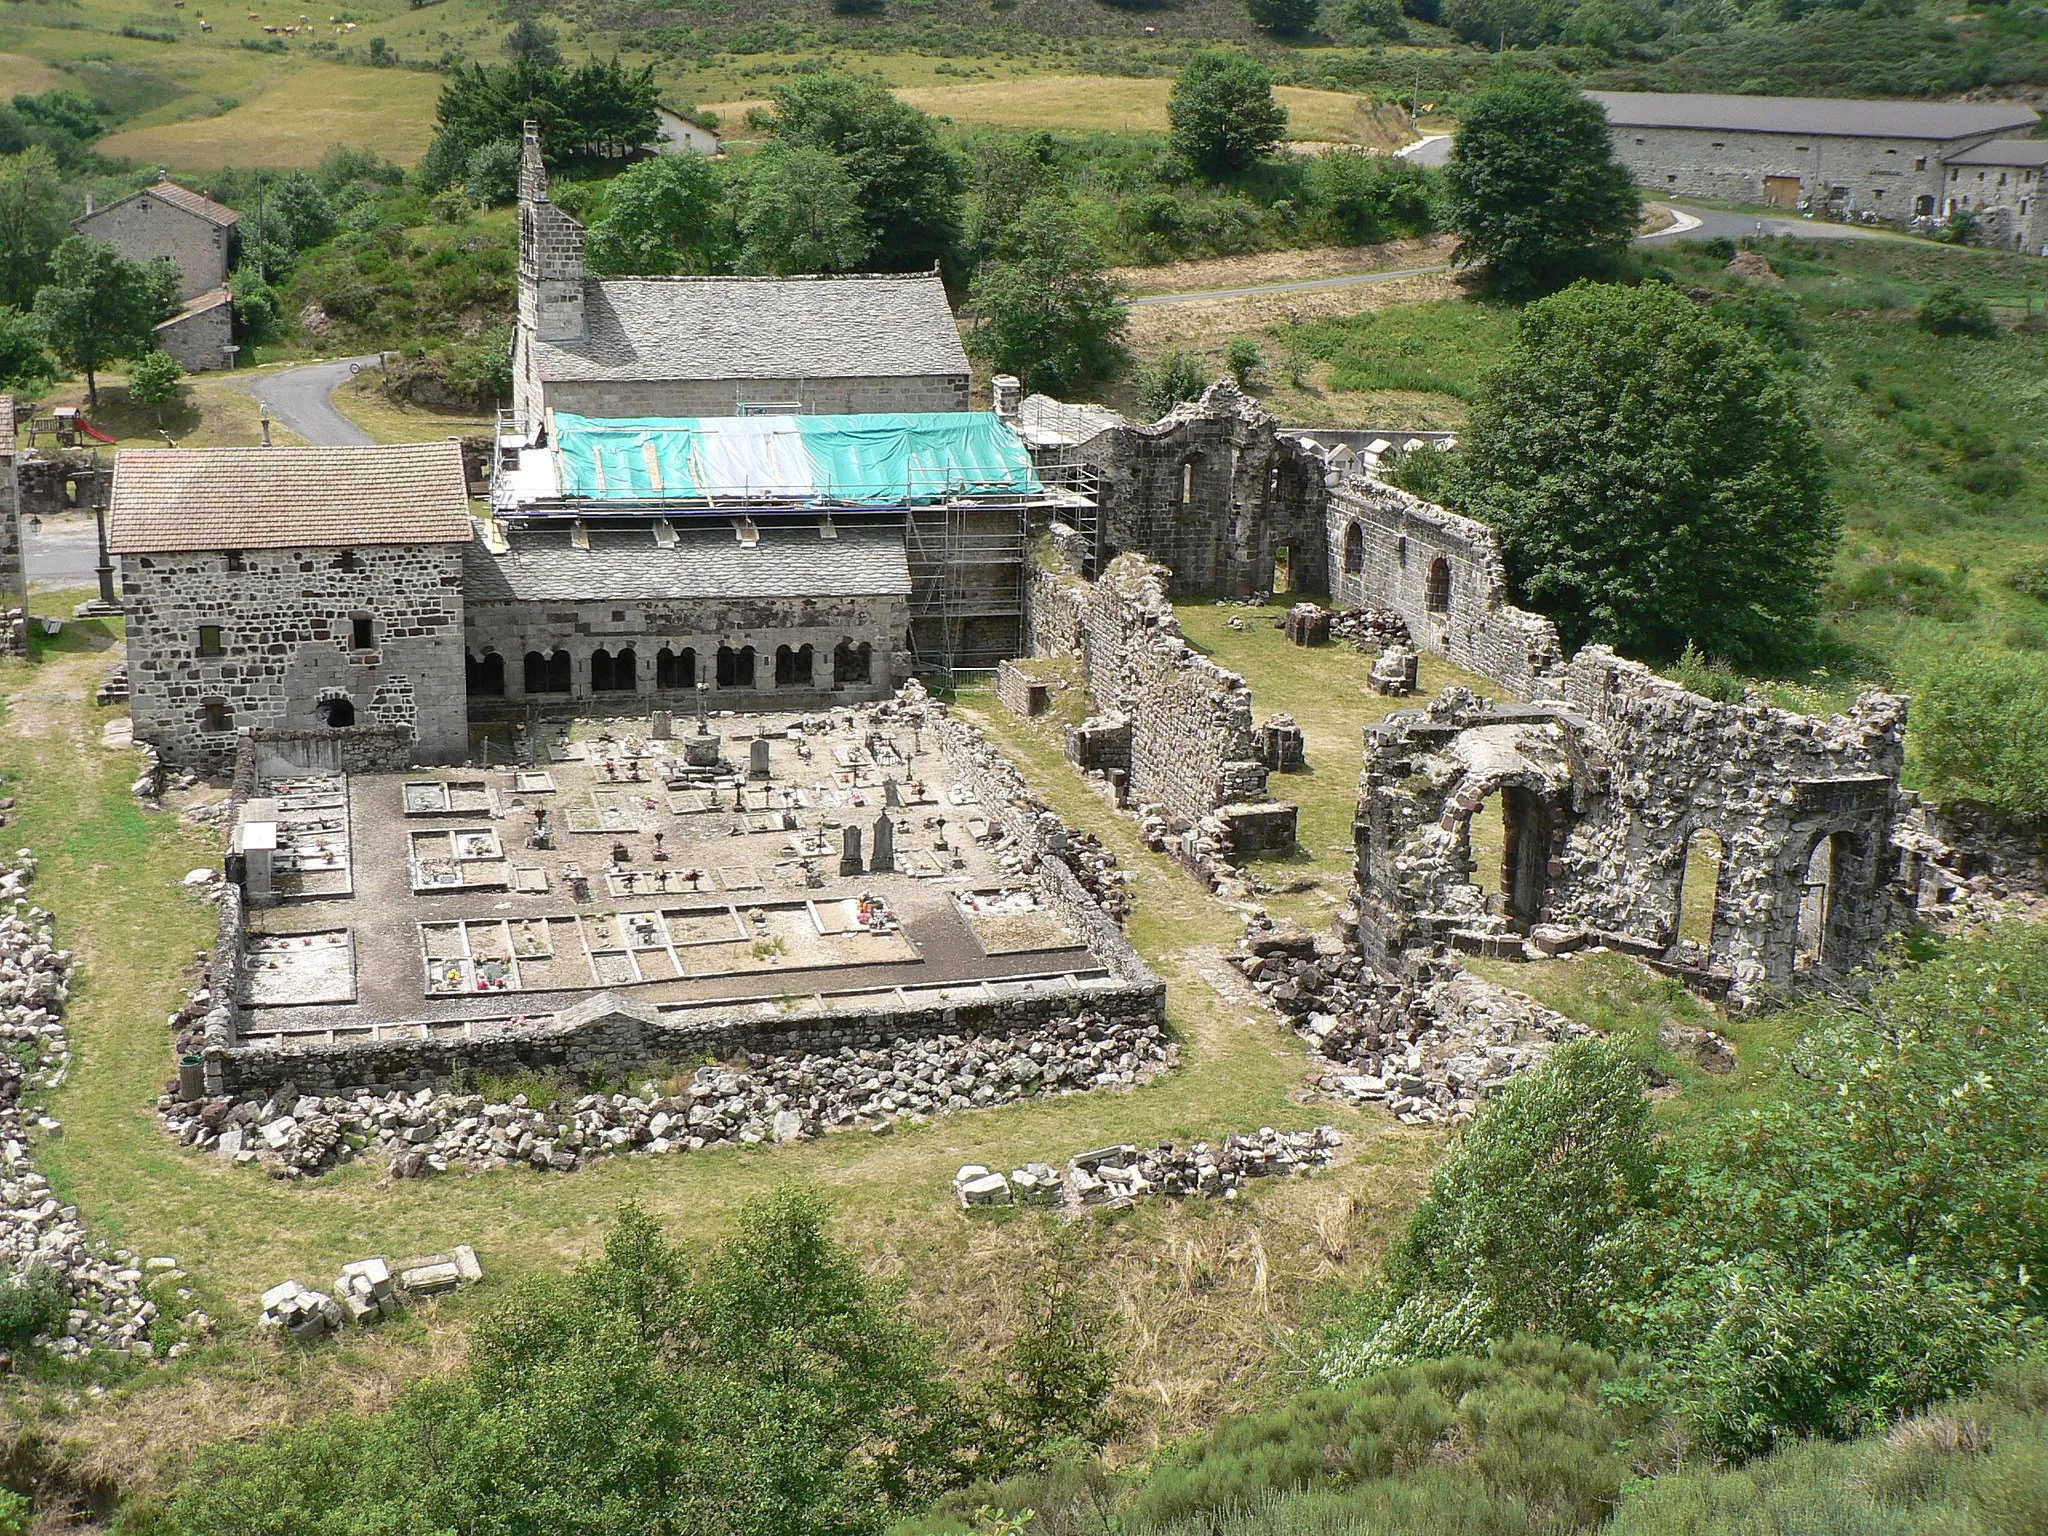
1196	321
295	120
1286	266
399	421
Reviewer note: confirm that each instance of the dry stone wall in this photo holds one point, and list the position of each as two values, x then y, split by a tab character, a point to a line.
285	623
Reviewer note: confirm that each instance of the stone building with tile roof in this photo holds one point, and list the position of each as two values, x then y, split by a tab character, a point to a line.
717	346
166	219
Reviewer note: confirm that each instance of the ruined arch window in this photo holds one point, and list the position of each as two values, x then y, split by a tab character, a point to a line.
735	667
1699	889
215	716
600	670
793	666
675	669
1817	900
1436	597
485	675
336	714
625	670
1354	550
1187	481
209	641
853	663
362	632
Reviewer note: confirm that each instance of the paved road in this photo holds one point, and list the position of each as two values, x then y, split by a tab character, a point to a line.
65	553
298	398
1733	226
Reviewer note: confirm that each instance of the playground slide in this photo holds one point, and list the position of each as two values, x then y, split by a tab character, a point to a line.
94	432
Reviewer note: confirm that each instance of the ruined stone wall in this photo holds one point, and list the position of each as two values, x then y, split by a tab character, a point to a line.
1194	747
511	629
1211	491
64	480
1603	792
1054	599
13	561
1443	574
285	621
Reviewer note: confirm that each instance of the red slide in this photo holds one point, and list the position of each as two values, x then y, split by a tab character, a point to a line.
94	432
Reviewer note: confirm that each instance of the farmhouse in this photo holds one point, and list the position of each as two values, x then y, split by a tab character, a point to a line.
199	236
1885	159
1999	183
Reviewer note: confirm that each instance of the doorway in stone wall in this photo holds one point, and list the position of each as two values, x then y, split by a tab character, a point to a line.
1508	843
1699	894
1817	901
1283	572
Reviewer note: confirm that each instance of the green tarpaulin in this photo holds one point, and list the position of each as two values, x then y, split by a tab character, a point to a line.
879	460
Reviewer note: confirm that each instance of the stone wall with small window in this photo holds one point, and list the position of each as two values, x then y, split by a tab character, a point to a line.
1884	177
295	639
754	653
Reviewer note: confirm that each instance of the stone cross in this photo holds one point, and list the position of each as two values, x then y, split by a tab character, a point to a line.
884	860
849	856
757	766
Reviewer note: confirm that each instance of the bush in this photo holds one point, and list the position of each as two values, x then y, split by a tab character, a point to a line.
1949	310
1359	199
1247	364
1374	20
1714	680
1906	586
1980	729
32	1303
1283	18
490	176
1169	379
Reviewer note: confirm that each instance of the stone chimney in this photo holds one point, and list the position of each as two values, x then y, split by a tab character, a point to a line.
1005	392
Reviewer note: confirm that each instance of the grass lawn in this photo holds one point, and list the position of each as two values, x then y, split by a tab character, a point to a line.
295	119
398	421
213	410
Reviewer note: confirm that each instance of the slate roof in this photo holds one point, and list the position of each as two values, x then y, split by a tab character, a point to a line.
184	499
626	565
219	214
759	328
1813	115
2003	152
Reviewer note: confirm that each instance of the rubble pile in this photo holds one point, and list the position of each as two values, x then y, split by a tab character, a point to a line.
1370	630
776	1098
1121	1174
42	1241
1431	1049
366	1291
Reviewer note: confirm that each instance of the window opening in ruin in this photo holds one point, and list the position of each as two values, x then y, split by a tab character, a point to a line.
1699	890
547	674
1354	550
1436	596
735	667
1508	845
209	640
214	715
625	671
793	666
1283	574
1187	482
1817	901
853	663
485	675
337	714
675	669
362	633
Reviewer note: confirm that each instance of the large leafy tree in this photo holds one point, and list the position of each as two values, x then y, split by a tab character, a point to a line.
1654	478
31	222
1046	307
667	214
99	307
1223	111
800	212
1535	193
590	117
908	180
24	363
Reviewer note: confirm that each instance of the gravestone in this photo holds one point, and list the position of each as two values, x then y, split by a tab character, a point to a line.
849	857
884	860
757	760
661	725
892	793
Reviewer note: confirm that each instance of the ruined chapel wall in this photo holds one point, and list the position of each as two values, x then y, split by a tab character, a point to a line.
1193	746
1054	602
1396	539
285	621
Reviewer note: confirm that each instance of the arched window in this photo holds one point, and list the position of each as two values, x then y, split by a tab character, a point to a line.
853	663
559	673
600	670
547	674
485	675
735	667
675	669
337	714
215	716
1437	596
625	671
793	666
1354	550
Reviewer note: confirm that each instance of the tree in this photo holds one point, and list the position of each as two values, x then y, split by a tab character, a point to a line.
1284	18
665	215
1535	194
259	313
298	204
590	118
1223	112
154	379
529	42
1980	729
1172	377
31	222
1950	310
99	307
1379	20
24	364
1048	310
1654	478
1359	198
491	178
908	180
800	212
1050	1390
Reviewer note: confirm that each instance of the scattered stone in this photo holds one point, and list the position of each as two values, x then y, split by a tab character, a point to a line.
1120	1174
303	1313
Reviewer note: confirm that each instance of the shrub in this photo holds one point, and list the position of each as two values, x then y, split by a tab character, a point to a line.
1374	19
32	1303
1169	379
1949	310
1980	729
1907	586
491	174
2030	578
1714	680
1283	18
1245	361
1359	199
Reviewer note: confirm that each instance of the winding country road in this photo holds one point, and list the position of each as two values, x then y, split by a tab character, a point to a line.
299	398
